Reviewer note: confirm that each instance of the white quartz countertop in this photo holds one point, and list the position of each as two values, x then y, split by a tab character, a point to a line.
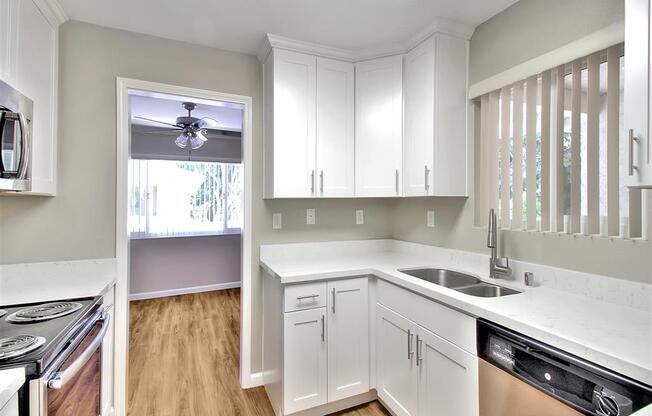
10	381
42	282
609	334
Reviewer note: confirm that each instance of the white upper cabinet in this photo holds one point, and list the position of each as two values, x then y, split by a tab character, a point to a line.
36	77
637	105
335	128
436	117
308	126
289	83
348	338
378	127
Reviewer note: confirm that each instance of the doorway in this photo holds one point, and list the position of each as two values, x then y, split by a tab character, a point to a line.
183	193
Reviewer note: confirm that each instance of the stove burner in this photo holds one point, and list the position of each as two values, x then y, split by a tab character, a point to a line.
44	312
2	313
19	345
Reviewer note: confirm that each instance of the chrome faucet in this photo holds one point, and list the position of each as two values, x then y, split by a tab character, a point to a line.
498	267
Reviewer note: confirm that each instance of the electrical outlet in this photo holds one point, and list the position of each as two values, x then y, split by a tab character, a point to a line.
310	216
430	218
359	217
277	221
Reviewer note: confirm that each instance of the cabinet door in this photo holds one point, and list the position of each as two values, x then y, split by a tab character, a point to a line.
395	362
448	377
335	129
348	338
7	40
294	124
378	127
637	105
419	118
304	360
36	77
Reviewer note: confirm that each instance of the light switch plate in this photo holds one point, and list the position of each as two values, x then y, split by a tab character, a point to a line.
359	217
310	216
430	218
277	221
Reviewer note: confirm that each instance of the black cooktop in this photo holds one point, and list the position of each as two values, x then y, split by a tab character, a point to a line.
57	333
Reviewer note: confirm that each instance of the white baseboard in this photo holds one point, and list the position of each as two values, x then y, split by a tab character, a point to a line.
254	380
183	291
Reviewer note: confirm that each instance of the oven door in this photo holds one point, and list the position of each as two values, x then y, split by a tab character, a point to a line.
73	386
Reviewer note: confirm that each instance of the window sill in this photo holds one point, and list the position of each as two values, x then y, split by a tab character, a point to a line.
144	236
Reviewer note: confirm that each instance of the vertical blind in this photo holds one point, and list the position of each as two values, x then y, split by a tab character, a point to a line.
549	151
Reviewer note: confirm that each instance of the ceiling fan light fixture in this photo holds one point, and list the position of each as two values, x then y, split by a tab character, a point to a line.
182	140
196	142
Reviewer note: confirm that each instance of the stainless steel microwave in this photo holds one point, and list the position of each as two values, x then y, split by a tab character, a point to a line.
16	113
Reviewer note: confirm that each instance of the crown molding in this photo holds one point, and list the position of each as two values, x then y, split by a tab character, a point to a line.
53	11
440	25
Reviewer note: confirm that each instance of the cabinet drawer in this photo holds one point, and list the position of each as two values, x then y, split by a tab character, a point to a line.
305	296
446	322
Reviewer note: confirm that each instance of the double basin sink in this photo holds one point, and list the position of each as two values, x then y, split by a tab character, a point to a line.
460	282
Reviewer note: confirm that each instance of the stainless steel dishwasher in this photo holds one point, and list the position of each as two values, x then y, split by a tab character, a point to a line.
520	376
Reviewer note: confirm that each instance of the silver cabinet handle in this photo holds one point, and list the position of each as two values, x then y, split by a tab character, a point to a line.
312	181
427	173
323	329
59	379
333	306
396	182
419	350
632	139
410	335
307	297
321	181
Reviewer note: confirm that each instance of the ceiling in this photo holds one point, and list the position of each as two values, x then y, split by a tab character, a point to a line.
240	25
168	107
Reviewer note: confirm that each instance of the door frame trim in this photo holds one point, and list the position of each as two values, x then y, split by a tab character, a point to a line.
123	86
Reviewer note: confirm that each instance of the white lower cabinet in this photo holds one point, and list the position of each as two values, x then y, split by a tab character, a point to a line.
348	338
305	360
395	365
448	377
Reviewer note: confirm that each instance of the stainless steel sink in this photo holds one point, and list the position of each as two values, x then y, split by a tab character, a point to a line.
486	290
442	277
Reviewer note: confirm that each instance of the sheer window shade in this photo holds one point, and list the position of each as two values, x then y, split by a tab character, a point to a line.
549	151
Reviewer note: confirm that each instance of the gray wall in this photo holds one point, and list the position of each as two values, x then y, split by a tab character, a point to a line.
530	28
159	264
79	223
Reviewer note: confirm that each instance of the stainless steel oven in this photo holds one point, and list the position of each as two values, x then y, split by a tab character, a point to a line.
73	383
16	112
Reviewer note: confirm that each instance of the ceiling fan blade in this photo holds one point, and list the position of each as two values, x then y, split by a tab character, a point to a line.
162	131
156	121
207	123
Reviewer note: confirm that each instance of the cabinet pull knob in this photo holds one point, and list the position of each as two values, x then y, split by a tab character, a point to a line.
632	139
323	329
419	350
409	337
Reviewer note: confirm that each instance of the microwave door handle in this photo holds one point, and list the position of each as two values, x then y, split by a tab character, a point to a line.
2	129
59	379
24	147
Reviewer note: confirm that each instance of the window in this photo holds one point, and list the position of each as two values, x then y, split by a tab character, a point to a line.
176	198
549	156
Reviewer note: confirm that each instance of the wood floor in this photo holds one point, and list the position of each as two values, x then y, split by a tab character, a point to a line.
184	359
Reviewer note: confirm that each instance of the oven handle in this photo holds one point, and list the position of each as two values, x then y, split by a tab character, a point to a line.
59	379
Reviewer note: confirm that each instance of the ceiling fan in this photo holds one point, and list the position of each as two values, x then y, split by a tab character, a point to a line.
192	129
